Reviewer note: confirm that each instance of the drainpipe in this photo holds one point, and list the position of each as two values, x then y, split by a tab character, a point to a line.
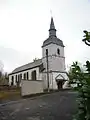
47	70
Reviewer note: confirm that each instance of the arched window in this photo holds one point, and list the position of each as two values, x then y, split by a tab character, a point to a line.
20	77
12	81
27	76
58	51
16	78
24	76
33	75
46	52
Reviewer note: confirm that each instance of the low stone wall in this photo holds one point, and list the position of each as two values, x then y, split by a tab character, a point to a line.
29	87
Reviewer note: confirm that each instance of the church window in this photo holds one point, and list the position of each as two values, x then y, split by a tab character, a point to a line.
16	78
46	51
12	77
12	81
58	51
20	76
24	76
33	75
27	75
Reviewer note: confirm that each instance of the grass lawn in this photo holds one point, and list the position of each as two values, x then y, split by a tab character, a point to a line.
10	94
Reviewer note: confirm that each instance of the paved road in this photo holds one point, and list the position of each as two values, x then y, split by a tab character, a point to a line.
56	106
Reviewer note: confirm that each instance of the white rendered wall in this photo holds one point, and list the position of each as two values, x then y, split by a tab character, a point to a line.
38	76
55	74
29	87
52	79
56	62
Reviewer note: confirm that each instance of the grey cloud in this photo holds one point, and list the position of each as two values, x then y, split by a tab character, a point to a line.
12	58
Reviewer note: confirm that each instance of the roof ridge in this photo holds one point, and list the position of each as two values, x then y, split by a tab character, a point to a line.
26	64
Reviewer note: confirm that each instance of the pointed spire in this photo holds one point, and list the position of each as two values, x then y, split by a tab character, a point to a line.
52	24
52	30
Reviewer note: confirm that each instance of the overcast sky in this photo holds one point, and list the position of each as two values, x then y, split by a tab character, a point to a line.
24	26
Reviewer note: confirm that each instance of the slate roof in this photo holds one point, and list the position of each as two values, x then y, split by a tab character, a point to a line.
54	40
31	65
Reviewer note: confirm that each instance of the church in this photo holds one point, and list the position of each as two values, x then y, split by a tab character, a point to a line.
50	68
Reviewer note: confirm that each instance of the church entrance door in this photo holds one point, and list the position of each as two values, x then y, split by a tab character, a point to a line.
60	84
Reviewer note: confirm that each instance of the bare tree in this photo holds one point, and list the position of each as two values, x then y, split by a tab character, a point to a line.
3	76
1	69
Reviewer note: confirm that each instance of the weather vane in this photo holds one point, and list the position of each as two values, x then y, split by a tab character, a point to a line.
51	12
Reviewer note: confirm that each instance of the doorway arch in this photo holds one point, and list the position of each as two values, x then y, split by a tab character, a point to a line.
60	81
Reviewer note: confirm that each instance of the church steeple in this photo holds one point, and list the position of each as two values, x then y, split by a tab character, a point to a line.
52	30
52	36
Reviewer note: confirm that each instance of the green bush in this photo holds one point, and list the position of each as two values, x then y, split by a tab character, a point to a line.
82	79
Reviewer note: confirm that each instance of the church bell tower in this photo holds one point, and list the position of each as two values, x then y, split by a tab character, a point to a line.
55	48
